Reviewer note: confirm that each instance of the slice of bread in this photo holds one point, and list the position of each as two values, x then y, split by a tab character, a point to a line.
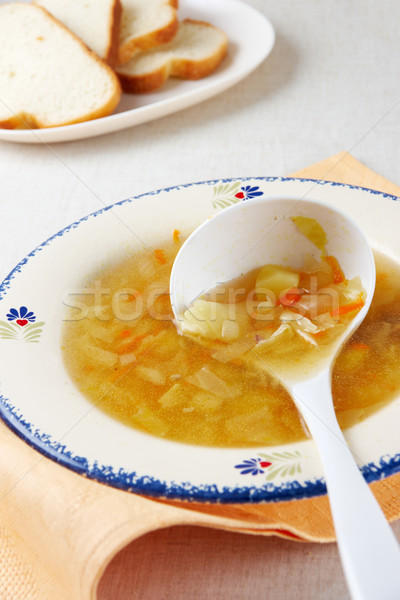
145	24
196	51
48	77
96	22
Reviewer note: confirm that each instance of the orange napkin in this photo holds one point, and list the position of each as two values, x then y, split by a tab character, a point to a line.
58	530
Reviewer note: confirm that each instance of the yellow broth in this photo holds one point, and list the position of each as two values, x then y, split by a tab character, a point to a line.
122	350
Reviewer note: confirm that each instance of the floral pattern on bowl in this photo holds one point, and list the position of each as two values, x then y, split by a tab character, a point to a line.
21	325
276	464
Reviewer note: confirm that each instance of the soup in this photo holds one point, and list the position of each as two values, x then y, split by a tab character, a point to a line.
278	319
122	350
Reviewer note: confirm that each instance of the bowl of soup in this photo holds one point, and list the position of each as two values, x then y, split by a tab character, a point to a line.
112	390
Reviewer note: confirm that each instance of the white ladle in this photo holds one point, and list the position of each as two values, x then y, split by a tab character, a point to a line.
251	234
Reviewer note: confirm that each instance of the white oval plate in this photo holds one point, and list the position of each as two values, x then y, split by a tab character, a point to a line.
251	39
41	404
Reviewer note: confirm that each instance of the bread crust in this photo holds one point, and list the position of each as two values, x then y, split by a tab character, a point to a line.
21	121
112	51
132	84
177	67
154	38
26	120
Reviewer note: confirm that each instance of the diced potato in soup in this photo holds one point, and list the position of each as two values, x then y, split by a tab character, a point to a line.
275	279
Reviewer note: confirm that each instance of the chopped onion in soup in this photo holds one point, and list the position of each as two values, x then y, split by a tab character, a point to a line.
283	309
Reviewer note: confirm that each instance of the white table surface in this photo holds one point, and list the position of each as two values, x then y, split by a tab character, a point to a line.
331	83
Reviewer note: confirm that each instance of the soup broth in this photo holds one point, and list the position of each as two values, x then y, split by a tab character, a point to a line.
285	319
122	350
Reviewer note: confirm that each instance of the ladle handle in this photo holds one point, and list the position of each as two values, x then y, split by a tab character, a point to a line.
368	547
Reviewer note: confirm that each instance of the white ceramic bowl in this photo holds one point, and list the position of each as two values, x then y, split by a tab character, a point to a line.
42	405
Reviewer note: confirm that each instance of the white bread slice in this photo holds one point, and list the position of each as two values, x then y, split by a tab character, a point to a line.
96	22
196	51
145	24
48	77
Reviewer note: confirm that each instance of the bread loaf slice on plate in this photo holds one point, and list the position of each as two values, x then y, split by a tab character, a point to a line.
48	77
145	24
96	22
196	51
